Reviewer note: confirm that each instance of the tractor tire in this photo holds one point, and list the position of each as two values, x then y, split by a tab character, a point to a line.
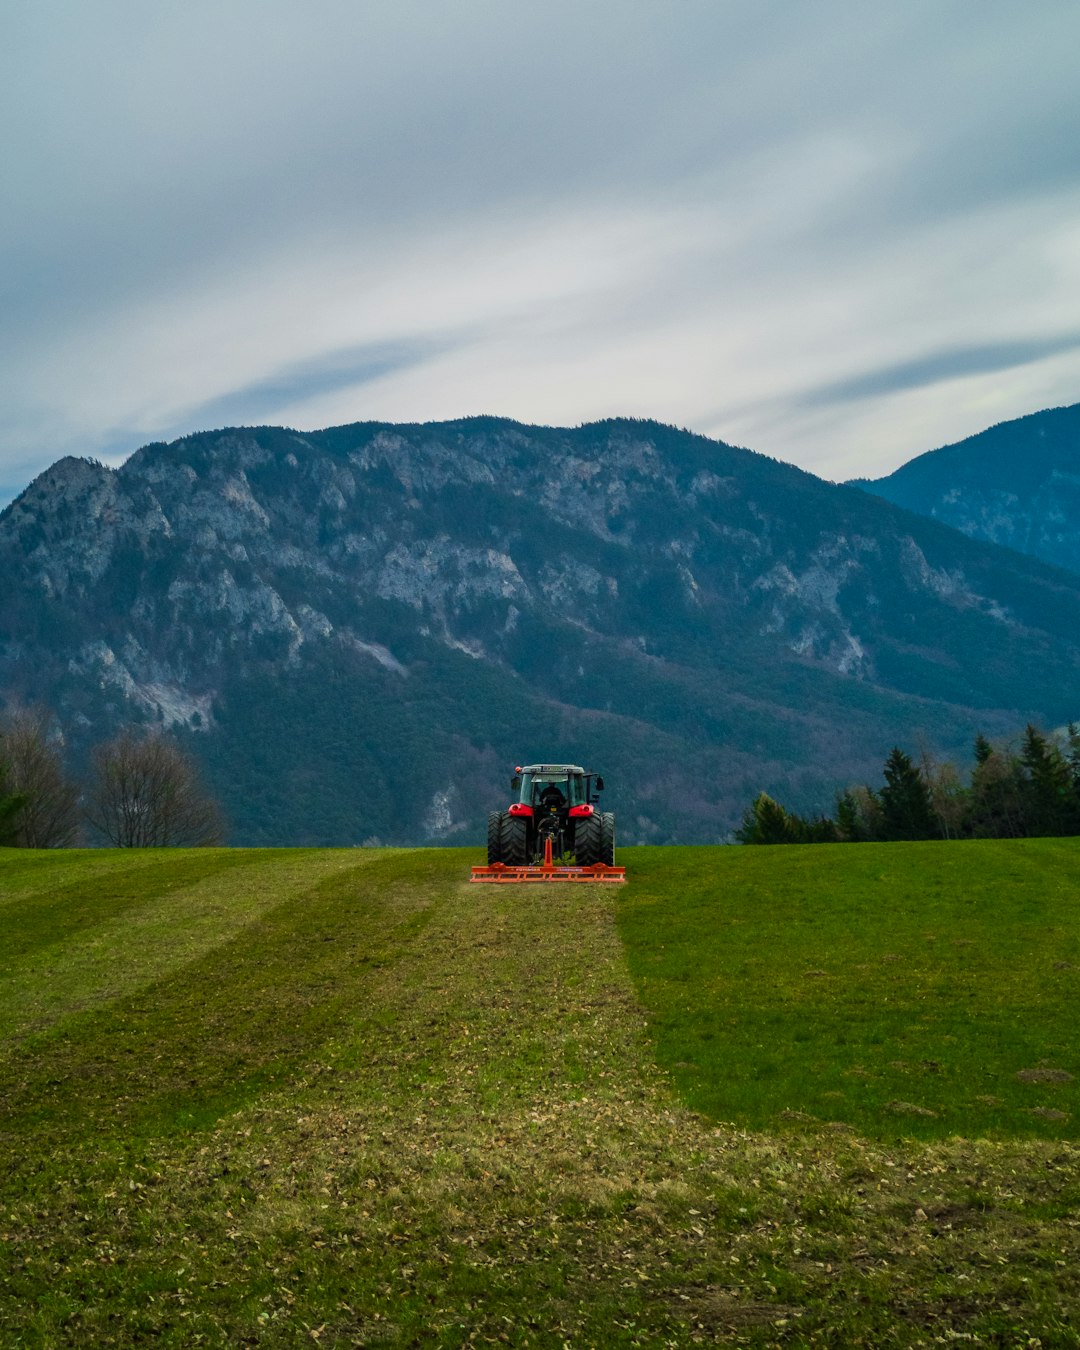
607	839
587	841
513	839
495	820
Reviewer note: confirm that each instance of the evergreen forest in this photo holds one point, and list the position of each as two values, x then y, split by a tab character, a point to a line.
1012	792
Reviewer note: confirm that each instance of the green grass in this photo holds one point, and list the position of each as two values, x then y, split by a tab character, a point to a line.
919	989
343	1098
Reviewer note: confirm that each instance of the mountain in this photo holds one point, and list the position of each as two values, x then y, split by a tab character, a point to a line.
361	630
1017	484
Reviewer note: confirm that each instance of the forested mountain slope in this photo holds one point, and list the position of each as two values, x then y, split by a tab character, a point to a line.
1016	484
361	630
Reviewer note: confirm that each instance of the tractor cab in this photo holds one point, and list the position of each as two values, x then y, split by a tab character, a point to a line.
555	788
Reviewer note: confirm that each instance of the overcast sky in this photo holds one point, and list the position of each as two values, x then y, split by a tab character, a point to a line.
841	233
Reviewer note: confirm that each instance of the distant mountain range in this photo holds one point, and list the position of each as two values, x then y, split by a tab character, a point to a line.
1017	484
361	630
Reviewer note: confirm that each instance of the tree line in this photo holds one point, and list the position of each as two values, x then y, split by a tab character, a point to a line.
1010	793
142	791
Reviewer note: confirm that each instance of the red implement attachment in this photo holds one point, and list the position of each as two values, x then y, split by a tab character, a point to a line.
547	871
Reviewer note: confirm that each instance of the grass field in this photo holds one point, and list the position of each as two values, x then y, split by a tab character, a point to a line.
284	1098
919	989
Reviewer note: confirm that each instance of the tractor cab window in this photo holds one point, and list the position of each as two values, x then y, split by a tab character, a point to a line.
537	789
577	795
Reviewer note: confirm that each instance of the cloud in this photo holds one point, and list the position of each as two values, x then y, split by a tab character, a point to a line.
310	380
939	366
775	223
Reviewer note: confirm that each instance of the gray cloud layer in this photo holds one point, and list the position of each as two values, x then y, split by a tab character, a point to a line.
839	233
937	367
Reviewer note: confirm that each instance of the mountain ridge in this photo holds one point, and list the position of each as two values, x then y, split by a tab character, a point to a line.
358	629
1016	484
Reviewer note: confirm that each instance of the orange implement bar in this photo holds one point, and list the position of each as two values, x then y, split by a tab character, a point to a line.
547	871
504	874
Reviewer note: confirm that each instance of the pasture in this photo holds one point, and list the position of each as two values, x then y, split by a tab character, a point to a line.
924	989
788	1096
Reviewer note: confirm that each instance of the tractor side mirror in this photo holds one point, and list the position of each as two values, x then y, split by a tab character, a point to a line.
599	785
515	782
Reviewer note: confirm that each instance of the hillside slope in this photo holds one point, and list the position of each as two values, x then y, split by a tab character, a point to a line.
1016	484
360	630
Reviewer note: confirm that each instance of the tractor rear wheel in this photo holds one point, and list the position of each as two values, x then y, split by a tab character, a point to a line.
607	839
495	820
587	841
513	838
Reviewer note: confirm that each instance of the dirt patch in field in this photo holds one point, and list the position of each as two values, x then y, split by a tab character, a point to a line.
908	1109
940	1312
713	1306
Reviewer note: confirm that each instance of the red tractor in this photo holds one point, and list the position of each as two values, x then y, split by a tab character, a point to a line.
556	806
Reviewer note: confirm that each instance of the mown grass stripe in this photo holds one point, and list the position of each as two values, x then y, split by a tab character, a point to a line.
202	1039
24	871
84	968
52	915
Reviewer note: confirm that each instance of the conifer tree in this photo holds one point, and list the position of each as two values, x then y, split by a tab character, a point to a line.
997	807
847	818
765	822
820	830
858	816
1050	792
906	808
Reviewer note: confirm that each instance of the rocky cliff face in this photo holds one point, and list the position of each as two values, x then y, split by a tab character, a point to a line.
361	629
1017	484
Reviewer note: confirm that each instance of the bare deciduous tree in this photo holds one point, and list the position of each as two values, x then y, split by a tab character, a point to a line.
949	799
146	793
34	771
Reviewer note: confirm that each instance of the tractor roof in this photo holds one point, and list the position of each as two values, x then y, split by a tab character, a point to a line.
551	770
